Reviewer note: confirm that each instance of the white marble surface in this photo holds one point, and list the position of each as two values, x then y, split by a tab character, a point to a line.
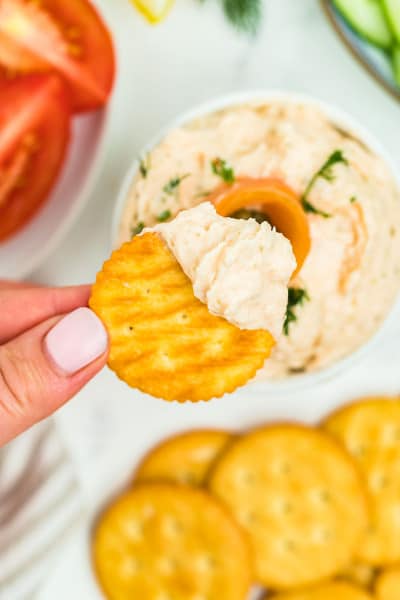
190	58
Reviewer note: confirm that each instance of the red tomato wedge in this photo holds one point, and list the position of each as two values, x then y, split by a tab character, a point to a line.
34	134
63	35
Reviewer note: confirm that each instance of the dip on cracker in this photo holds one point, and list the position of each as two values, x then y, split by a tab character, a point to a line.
240	270
191	308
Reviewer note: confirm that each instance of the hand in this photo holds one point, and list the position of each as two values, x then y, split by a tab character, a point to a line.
46	355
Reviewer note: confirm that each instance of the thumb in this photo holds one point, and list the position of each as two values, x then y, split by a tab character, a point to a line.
46	366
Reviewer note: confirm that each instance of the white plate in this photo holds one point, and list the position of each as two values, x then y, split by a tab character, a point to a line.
23	252
339	117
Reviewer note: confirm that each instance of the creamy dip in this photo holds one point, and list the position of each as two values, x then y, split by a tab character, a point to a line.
352	274
239	268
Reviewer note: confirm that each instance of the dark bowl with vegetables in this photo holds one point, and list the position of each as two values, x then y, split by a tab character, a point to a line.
371	31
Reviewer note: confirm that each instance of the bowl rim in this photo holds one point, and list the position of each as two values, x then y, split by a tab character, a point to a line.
337	115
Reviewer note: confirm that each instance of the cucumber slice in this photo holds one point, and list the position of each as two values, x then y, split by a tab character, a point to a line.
396	64
368	19
392	9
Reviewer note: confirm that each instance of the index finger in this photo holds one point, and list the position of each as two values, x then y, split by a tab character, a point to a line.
10	284
21	308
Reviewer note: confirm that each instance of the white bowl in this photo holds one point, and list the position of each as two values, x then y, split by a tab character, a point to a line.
23	252
343	120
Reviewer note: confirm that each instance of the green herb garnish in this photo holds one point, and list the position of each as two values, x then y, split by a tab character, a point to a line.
173	183
245	213
144	166
245	15
164	216
310	208
137	229
220	167
325	172
353	199
296	297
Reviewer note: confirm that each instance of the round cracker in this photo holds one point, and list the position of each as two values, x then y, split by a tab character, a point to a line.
299	496
360	574
388	585
163	340
370	430
183	458
335	590
162	541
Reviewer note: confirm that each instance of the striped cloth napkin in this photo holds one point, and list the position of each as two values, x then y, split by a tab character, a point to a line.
39	504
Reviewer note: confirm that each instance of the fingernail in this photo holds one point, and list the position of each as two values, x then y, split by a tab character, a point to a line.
76	341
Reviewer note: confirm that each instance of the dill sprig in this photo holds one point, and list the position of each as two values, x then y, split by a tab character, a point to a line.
220	167
144	166
296	297
245	15
325	172
138	228
246	213
164	216
173	183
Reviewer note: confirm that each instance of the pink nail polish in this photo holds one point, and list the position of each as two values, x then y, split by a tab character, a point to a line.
76	341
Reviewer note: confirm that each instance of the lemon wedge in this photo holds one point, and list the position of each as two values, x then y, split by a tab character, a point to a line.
154	10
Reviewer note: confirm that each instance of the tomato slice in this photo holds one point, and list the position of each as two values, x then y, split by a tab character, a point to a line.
64	35
276	200
34	134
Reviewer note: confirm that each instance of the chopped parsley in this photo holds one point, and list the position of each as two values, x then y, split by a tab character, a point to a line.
137	229
245	213
296	297
173	183
220	167
325	172
164	216
353	199
144	166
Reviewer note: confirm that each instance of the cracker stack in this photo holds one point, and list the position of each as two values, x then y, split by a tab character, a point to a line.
306	513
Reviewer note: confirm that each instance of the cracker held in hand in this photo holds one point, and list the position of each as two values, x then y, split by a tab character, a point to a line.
335	590
166	541
299	496
359	574
183	458
388	585
370	430
163	340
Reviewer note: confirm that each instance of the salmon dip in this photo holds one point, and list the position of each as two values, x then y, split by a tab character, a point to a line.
351	275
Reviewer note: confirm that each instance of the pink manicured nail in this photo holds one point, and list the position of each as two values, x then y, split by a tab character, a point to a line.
76	340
